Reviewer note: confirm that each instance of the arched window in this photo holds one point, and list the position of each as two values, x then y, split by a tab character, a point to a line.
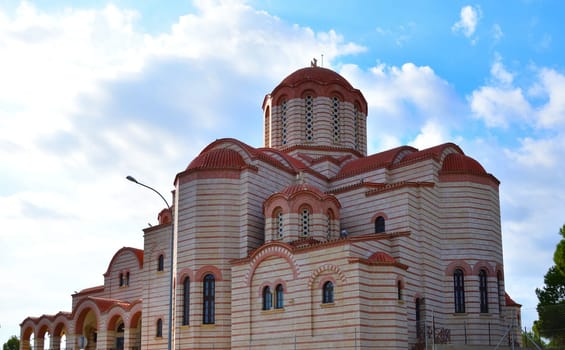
268	127
121	279
267	298
161	263
279	223
284	123
209	299
419	327
380	224
459	290
159	330
328	293
356	127
335	119
127	279
483	290
330	219
186	302
309	118
305	221
279	296
499	290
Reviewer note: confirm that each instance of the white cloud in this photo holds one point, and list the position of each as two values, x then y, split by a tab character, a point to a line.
542	153
497	32
499	107
553	85
469	18
499	72
87	98
432	134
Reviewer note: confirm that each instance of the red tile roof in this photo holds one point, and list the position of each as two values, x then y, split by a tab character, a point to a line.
317	74
375	161
509	301
460	163
382	257
137	252
219	158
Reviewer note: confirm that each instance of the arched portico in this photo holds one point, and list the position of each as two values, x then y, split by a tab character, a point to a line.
87	326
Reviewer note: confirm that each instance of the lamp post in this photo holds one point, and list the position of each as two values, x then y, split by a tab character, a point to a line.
171	281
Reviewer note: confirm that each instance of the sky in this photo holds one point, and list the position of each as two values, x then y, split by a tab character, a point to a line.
91	92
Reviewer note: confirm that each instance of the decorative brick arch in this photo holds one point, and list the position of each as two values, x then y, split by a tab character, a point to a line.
184	273
208	269
484	265
136	316
44	326
458	264
28	328
336	93
61	325
81	311
328	267
499	269
262	286
116	313
308	91
377	214
276	249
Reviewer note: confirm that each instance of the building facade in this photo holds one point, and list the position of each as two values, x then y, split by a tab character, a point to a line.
308	243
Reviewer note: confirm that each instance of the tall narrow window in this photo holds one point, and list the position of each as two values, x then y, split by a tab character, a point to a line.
483	290
209	299
459	290
161	263
305	222
419	327
356	128
499	290
335	119
380	225
328	293
284	123
309	118
121	279
280	227
268	127
159	330
279	296
329	219
399	289
186	301
267	298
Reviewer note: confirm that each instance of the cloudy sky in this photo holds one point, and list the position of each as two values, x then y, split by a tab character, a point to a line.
92	92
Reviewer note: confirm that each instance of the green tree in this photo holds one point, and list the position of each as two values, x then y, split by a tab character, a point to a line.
551	306
532	336
559	255
12	344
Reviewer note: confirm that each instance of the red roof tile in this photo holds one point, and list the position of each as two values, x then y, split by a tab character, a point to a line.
382	257
375	161
317	74
219	158
460	163
509	301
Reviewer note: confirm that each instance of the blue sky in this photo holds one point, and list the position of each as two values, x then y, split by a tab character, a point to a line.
91	92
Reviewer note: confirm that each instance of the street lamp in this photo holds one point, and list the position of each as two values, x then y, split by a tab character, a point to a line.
171	284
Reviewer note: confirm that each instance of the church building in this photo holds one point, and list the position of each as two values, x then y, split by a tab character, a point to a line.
307	243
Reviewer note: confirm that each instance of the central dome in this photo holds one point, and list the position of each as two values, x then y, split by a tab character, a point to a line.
315	108
317	74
